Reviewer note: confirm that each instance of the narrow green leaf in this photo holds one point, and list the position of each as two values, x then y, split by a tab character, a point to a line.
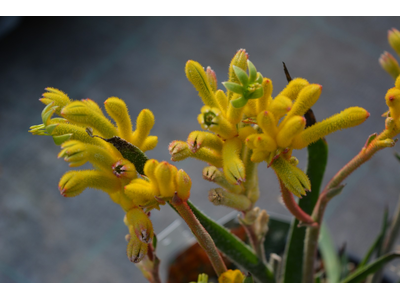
238	252
239	102
241	75
293	259
361	273
155	242
329	255
252	71
234	87
127	150
397	155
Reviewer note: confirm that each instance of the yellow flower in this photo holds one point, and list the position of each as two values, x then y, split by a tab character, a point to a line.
279	124
112	171
231	276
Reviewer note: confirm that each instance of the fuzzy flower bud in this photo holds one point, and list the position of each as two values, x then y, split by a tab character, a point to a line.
280	106
293	127
231	276
213	174
183	185
118	110
141	224
392	98
219	196
389	64
196	75
144	123
73	183
136	249
233	166
394	39
59	98
197	139
164	174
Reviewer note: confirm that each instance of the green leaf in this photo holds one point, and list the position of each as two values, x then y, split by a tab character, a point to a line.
252	72
241	75
239	102
362	273
155	242
233	248
377	244
127	150
258	93
397	155
234	87
59	139
293	259
329	255
248	279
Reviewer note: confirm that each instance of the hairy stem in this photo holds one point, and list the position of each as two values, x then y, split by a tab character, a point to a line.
333	188
202	236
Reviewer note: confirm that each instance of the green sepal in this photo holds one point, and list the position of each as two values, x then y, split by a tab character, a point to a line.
258	93
260	78
248	278
252	71
59	139
233	248
239	102
46	115
362	273
154	242
50	128
234	87
241	75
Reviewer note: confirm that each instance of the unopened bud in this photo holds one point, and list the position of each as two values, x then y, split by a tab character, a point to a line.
136	249
394	39
183	185
389	64
141	224
221	197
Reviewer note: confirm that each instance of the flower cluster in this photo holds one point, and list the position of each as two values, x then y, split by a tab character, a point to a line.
246	125
86	134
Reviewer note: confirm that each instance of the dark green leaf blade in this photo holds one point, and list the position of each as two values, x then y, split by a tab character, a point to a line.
238	252
329	255
361	273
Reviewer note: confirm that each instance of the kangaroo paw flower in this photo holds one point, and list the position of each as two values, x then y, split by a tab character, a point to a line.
219	196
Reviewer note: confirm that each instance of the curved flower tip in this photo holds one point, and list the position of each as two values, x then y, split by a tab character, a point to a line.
136	249
141	224
231	276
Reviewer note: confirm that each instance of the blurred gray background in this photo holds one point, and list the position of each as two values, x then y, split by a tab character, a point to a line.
47	238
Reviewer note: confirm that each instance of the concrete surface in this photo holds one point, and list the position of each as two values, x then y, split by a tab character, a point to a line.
47	238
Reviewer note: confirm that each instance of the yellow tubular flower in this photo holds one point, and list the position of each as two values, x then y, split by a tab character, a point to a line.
149	169
267	122
212	79
240	61
350	117
307	97
116	108
213	119
59	98
164	174
222	100
78	112
246	131
78	153
250	110
142	226
136	249
234	115
397	82
183	185
259	155
221	197
234	170
231	276
293	127
389	64
198	139
394	39
196	75
123	168
141	192
73	183
144	123
392	98
212	174
265	142
265	100
150	143
292	177
180	150
293	88
93	106
280	106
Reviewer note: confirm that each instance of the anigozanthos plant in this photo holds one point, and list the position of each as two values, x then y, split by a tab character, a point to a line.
247	126
117	155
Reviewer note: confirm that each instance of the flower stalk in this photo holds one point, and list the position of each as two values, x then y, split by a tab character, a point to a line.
202	236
